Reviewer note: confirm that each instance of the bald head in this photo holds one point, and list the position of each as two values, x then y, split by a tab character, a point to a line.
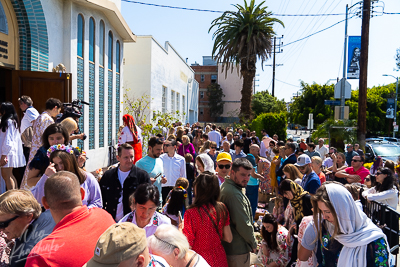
63	191
254	150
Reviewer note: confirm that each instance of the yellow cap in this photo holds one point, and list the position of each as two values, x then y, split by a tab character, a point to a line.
224	156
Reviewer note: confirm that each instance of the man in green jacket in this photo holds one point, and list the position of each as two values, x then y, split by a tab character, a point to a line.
244	242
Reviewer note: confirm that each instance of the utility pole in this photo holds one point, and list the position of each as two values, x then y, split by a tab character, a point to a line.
277	49
273	71
343	86
362	99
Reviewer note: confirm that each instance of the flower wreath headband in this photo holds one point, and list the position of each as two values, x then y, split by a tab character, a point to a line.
68	149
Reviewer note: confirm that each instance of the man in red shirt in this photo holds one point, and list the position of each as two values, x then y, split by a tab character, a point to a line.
356	173
77	229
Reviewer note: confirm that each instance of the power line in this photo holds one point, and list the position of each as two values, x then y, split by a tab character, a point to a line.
316	32
288	83
219	11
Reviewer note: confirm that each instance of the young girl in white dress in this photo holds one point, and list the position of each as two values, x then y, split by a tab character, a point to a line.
12	155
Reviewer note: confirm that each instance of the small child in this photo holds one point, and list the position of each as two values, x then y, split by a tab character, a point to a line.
175	206
279	210
190	172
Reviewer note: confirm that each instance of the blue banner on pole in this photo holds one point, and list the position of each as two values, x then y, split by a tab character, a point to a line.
353	61
390	108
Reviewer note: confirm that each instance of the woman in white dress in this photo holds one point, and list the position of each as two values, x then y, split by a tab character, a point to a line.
12	154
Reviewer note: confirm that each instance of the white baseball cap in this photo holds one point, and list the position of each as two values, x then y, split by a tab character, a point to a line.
303	160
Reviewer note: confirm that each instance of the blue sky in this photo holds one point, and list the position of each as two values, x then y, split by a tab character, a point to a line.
316	59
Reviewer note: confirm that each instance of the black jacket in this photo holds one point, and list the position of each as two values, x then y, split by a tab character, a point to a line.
111	188
292	160
36	231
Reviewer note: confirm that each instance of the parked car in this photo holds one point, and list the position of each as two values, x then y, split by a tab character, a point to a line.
391	140
385	150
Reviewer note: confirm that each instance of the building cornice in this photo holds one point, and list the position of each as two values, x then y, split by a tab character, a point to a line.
113	15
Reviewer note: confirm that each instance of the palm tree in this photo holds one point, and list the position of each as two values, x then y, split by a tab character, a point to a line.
240	38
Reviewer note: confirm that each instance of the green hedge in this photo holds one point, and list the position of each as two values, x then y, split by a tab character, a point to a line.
274	123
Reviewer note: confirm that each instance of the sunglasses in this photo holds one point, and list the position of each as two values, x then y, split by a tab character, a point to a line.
226	166
213	147
356	160
367	179
301	167
167	145
6	223
378	173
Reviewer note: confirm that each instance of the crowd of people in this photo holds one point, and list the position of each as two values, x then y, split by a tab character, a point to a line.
190	199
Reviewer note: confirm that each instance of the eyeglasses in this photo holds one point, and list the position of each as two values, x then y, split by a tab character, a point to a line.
213	147
6	223
226	166
356	160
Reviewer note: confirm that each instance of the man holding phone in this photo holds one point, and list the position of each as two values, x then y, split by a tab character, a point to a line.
152	163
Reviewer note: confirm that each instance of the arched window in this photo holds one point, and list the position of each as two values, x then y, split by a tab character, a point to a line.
3	20
80	35
101	43
91	39
110	50
117	57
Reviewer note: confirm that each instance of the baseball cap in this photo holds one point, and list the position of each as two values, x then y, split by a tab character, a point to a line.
224	156
303	160
118	243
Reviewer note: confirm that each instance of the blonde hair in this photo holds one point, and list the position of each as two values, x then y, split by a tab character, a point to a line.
19	202
207	145
185	137
182	182
293	171
317	160
69	124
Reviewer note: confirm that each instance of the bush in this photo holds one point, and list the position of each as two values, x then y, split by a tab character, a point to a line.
273	123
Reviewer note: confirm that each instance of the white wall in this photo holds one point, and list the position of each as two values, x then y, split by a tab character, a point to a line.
231	86
149	66
62	35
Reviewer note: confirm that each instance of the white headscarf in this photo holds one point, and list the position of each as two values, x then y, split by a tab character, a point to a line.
207	162
356	229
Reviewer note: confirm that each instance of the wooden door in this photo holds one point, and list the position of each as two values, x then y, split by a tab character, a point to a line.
40	86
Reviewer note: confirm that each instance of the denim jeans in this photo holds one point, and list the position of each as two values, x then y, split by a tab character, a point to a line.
252	195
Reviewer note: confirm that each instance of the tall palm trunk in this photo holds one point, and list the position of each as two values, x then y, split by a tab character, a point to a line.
248	71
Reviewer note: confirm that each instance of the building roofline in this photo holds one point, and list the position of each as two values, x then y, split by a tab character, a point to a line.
114	16
165	48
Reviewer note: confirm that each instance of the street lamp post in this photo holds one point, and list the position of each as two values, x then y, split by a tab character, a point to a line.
395	100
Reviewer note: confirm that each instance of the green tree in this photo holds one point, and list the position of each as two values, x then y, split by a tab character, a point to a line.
215	95
312	100
242	36
263	102
397	57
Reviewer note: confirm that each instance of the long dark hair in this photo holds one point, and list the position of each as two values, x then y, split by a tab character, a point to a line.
207	191
270	238
176	201
8	113
388	183
53	129
70	164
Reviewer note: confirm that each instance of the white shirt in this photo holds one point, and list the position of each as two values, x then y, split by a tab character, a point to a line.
139	134
30	115
215	136
388	197
328	162
151	227
323	151
120	208
174	168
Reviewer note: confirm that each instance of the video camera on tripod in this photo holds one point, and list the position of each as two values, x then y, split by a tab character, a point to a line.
73	110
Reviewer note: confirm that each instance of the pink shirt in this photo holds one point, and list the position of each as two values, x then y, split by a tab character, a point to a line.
362	172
